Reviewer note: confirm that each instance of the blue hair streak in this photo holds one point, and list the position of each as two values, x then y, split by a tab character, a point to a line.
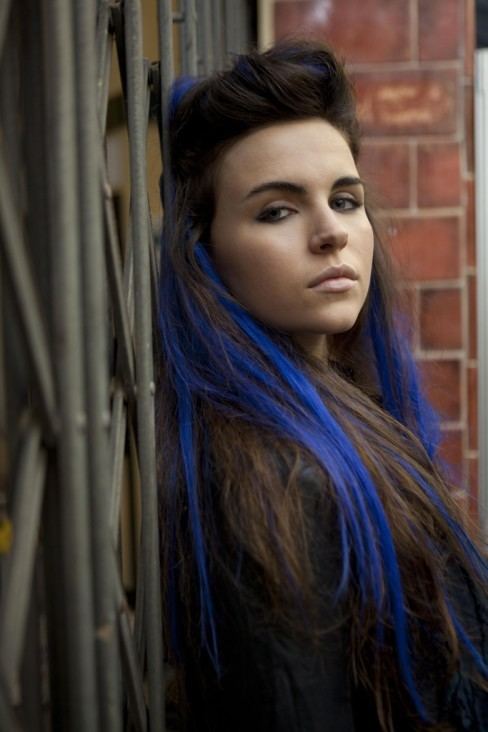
179	88
398	374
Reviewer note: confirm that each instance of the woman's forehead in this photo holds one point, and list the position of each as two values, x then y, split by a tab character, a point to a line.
302	151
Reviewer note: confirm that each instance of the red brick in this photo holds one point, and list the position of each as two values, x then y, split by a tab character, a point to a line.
469	36
451	451
440	319
409	305
470	223
469	126
442	382
369	31
473	407
473	486
408	102
440	29
386	168
427	249
439	175
472	317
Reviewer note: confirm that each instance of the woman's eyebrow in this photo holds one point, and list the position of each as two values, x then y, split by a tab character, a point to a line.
289	187
276	185
348	180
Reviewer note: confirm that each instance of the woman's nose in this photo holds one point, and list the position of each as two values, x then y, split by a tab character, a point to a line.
328	233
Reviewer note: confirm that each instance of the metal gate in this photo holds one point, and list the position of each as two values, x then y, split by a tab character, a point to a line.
78	292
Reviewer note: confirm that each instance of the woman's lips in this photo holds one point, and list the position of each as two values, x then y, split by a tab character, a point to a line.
337	278
335	284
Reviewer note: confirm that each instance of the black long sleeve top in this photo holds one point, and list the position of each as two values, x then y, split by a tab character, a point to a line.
272	681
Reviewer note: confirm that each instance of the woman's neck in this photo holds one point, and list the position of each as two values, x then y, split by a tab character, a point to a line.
315	344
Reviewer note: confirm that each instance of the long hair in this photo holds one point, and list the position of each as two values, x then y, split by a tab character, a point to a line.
243	412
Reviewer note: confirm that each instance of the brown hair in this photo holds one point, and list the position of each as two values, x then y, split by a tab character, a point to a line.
291	82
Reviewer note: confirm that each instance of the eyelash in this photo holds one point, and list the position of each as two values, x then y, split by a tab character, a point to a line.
352	201
266	216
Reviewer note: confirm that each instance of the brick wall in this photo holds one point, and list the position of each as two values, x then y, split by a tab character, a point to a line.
412	64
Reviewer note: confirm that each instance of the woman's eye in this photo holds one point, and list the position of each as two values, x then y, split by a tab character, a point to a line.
344	203
274	214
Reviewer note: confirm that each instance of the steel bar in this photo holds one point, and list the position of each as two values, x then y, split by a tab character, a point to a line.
9	106
166	79
189	37
117	446
131	668
153	269
201	45
80	664
132	675
8	720
4	16
96	362
139	559
218	29
153	272
248	35
32	667
26	510
4	420
118	296
139	610
136	81
231	30
129	282
481	123
56	627
23	288
205	44
35	160
104	57
241	27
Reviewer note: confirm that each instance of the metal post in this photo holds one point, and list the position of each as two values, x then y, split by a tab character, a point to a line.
205	44
189	37
71	454
96	362
137	114
103	56
481	130
166	54
231	14
218	29
4	15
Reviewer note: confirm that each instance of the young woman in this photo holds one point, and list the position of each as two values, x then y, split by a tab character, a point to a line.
317	573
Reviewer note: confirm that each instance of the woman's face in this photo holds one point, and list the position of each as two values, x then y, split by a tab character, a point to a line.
290	236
